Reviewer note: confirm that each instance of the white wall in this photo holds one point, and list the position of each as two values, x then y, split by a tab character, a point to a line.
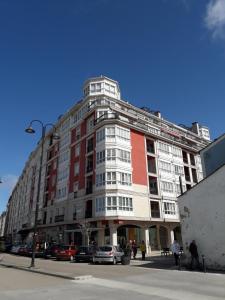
202	213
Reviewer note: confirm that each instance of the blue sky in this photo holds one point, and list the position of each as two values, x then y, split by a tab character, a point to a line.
168	55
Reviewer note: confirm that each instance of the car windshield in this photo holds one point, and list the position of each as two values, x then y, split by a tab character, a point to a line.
64	247
105	248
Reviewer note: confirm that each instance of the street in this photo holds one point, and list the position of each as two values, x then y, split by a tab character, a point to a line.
136	281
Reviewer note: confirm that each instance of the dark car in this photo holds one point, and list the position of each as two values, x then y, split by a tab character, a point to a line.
51	251
85	253
24	250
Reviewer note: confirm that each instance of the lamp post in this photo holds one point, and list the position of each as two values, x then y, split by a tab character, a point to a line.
29	129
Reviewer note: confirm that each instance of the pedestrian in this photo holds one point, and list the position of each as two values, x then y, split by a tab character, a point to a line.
143	249
175	248
128	249
194	254
134	249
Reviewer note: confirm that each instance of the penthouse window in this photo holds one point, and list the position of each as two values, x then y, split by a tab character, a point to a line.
164	147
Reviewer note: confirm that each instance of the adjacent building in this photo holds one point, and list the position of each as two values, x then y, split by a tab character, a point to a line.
202	209
115	174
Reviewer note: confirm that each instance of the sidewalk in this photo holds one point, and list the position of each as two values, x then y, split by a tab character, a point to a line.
79	271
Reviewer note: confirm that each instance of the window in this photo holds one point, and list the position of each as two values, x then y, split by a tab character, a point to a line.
123	155
164	147
111	203
169	208
77	150
111	154
110	132
165	166
192	159
61	192
125	203
153	187
96	87
123	133
167	186
100	156
90	145
150	146
178	190
78	133
100	204
109	88
75	189
100	179
54	164
179	170
76	168
155	212
111	178
176	151
100	135
125	178
63	174
102	114
194	175
64	157
151	164
90	124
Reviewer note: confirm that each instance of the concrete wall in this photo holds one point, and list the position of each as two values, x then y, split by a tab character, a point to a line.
202	213
213	156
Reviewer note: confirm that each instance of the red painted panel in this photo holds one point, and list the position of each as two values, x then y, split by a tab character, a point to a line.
138	158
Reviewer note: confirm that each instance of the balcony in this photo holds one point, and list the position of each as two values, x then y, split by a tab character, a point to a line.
59	218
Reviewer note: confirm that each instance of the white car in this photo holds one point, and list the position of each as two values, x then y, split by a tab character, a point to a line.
108	253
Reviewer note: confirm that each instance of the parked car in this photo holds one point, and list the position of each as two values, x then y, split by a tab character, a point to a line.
108	253
85	253
51	251
23	250
15	249
66	252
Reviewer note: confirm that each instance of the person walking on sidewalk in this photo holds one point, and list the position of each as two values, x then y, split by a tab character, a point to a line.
175	248
134	249
143	249
194	254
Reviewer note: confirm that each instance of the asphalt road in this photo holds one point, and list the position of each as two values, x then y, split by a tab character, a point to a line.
132	283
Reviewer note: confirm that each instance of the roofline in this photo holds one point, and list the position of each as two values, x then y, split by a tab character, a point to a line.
214	142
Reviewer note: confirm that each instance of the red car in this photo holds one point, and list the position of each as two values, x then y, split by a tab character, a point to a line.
66	252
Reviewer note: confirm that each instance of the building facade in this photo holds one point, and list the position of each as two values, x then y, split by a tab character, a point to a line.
2	224
113	176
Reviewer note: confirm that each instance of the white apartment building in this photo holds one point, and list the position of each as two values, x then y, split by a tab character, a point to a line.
115	173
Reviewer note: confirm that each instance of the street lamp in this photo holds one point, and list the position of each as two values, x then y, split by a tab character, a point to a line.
55	136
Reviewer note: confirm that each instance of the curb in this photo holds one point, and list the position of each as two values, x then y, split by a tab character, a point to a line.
39	271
